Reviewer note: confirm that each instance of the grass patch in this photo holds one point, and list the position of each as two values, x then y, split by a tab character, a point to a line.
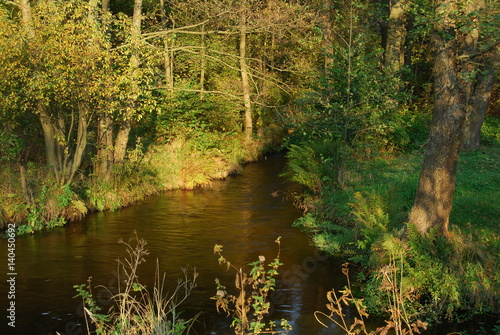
444	278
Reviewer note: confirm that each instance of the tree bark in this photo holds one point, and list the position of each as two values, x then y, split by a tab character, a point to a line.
25	7
24	185
81	143
168	60
103	166
123	134
480	100
433	201
203	65
328	35
105	5
104	163
245	81
396	36
49	136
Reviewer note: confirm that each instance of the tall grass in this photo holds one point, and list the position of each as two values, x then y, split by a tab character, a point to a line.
179	164
136	310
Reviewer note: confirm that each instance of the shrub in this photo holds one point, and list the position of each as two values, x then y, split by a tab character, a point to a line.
249	305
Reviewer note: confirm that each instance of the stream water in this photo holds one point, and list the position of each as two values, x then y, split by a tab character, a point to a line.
181	229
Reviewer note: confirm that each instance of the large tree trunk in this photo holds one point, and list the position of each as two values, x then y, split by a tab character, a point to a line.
245	81
433	201
121	142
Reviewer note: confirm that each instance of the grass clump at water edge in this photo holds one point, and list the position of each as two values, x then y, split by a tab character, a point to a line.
135	310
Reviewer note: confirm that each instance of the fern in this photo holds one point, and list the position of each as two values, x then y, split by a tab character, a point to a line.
372	220
314	164
303	167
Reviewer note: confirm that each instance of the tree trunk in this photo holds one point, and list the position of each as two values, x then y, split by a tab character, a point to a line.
245	81
24	184
103	166
203	66
433	201
396	36
25	7
105	5
104	163
480	101
50	138
81	141
121	142
328	35
168	59
123	134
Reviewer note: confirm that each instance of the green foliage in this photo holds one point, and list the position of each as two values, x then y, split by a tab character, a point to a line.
490	131
314	164
371	218
131	181
250	304
53	207
355	101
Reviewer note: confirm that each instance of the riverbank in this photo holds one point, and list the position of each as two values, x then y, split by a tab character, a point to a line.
31	199
440	278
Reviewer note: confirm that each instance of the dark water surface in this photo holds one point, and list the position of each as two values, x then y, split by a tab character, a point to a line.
181	228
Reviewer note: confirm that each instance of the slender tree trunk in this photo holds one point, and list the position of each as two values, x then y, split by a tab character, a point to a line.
123	134
25	7
396	36
24	184
105	5
480	101
104	163
328	35
81	142
103	166
168	58
49	135
203	65
245	81
433	201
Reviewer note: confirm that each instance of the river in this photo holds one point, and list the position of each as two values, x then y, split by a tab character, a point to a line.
181	229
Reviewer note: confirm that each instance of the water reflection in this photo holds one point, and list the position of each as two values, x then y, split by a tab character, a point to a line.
181	228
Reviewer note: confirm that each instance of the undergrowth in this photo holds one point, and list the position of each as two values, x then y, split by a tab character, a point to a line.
444	279
177	164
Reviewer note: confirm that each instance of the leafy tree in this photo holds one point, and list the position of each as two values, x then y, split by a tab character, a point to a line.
456	44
